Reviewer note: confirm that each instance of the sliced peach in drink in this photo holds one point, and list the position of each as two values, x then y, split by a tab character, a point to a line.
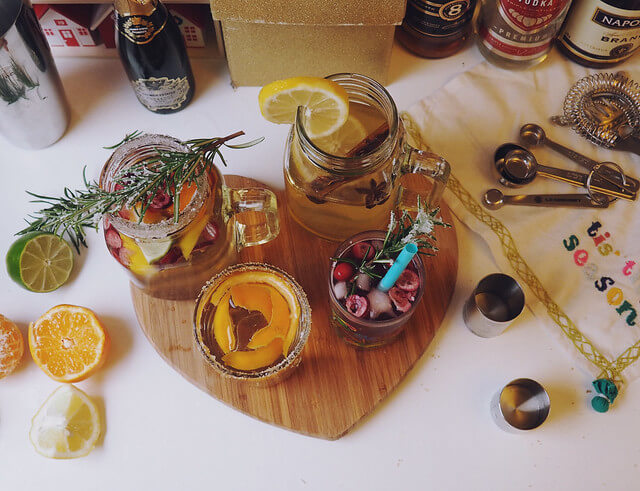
136	261
278	327
253	296
190	238
283	289
252	360
222	326
186	194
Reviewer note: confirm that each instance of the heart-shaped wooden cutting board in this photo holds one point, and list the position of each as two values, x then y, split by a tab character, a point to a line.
336	384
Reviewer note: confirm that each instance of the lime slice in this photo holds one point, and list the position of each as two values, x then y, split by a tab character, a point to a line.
40	261
154	250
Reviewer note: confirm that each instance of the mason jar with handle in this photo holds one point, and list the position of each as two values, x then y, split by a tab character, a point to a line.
351	180
173	259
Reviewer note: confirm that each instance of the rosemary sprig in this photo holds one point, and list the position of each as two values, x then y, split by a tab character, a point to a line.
400	232
76	210
127	137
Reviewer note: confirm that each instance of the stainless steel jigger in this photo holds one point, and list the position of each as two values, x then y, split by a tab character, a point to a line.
521	405
494	303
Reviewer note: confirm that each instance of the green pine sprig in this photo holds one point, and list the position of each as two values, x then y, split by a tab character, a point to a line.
76	210
400	232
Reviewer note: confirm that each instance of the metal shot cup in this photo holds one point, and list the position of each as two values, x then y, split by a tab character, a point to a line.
523	404
494	303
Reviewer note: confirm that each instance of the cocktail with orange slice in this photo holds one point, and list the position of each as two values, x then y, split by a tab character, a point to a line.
171	258
251	322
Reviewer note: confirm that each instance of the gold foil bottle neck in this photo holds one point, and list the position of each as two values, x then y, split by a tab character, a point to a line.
135	7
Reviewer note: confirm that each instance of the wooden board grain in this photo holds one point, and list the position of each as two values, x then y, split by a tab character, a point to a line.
336	385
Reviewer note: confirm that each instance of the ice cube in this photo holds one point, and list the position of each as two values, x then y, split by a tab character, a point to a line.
379	303
340	290
363	281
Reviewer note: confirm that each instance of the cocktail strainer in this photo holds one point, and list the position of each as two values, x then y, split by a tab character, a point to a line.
604	108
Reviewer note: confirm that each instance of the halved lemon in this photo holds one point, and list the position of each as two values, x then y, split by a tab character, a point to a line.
326	103
67	425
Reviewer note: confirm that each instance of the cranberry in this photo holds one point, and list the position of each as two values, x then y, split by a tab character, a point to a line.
401	299
161	200
357	305
115	253
343	271
124	256
408	280
112	238
362	249
171	257
210	232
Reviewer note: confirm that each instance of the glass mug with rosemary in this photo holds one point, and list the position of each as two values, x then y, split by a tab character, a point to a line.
377	279
350	180
173	239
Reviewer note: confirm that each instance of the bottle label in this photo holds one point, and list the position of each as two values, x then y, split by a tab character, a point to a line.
161	93
141	29
597	32
440	18
522	30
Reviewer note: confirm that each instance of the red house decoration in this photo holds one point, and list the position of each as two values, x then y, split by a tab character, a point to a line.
66	25
191	20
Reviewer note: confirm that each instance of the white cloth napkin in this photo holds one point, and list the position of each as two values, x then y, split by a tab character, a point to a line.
566	250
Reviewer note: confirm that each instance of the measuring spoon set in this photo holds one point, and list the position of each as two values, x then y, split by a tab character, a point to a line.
516	166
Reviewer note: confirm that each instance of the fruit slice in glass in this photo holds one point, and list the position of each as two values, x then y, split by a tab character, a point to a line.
251	323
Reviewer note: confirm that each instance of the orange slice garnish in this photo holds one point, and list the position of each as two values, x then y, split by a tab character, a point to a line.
68	343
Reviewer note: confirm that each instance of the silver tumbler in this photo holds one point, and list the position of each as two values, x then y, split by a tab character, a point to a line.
34	112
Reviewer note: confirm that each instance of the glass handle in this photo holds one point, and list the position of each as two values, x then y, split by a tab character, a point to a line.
255	212
427	165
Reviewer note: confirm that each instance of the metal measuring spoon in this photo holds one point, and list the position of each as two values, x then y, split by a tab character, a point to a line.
494	200
517	166
534	135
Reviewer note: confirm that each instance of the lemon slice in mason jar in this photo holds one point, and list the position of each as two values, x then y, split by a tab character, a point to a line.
326	103
344	139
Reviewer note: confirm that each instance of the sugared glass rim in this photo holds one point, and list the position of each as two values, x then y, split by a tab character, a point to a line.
167	227
342	248
304	323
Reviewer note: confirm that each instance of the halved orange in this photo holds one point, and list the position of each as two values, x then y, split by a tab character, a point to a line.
11	346
68	343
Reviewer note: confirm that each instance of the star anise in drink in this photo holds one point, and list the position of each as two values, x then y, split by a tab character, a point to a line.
375	194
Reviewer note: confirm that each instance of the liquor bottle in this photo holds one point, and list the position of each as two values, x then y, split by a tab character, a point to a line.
436	29
519	33
154	55
600	34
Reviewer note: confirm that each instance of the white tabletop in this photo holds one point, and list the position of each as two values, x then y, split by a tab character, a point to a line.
433	432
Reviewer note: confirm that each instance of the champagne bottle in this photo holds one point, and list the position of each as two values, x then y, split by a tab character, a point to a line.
153	54
601	33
